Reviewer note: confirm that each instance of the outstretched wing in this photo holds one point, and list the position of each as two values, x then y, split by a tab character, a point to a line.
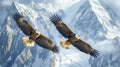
44	42
23	24
86	48
61	27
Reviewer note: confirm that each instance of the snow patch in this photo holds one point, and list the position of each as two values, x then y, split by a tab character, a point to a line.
9	33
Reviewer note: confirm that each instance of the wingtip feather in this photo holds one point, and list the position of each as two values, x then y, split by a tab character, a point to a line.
54	18
94	53
55	49
16	16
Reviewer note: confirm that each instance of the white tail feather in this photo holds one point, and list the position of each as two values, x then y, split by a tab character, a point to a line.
65	44
27	42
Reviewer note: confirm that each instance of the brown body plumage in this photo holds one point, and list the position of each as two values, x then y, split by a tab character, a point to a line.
28	30
67	33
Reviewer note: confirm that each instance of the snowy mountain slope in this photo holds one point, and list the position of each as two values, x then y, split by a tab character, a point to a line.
11	45
110	25
94	25
25	56
91	19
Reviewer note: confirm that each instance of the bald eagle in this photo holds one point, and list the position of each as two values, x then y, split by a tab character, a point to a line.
71	37
33	35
